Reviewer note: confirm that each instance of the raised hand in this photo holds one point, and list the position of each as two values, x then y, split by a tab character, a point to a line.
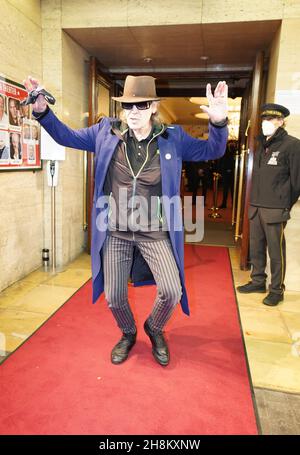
33	84
217	108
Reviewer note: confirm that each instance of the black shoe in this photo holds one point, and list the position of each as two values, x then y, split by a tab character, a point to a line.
160	349
273	299
251	287
120	352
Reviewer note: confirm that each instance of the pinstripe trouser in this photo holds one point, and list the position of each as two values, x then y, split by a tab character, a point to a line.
117	261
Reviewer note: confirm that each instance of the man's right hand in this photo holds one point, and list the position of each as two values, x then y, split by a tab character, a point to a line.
32	84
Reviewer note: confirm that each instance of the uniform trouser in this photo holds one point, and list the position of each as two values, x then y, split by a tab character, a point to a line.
269	236
117	262
195	182
228	181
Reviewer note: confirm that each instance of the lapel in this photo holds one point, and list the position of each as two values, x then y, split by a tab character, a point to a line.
106	148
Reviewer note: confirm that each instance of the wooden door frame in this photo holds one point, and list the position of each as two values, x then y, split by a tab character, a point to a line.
257	95
96	76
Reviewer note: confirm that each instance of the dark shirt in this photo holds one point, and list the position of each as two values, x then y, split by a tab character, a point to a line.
137	150
135	167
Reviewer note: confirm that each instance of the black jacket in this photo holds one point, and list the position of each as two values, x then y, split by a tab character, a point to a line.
276	171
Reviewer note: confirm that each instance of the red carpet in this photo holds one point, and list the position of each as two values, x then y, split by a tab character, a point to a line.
61	381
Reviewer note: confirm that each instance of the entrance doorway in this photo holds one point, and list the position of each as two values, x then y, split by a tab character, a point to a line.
183	59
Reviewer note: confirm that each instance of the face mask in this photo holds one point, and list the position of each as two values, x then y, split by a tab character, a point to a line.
268	128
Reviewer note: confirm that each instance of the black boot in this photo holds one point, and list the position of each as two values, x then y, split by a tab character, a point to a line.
120	352
273	299
160	349
251	287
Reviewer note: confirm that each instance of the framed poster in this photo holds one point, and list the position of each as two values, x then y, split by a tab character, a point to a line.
19	132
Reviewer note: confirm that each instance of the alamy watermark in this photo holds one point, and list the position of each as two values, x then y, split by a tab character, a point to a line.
140	214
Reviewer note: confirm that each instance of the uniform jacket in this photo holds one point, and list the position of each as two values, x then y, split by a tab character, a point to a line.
174	145
276	173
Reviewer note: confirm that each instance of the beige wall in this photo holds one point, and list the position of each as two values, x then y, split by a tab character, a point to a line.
100	13
25	205
284	70
21	204
75	114
288	71
288	79
273	66
65	73
284	75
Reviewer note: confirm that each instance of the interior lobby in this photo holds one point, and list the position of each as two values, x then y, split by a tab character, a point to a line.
82	52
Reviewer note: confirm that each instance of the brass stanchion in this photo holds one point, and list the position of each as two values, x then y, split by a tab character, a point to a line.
236	168
215	210
240	193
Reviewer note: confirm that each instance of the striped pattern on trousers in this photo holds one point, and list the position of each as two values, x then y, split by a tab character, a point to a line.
117	257
267	236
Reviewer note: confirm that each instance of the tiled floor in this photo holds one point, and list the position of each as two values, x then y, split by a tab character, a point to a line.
25	305
272	335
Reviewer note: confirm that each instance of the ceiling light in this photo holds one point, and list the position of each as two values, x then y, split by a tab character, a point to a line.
147	59
234	108
198	100
202	115
204	57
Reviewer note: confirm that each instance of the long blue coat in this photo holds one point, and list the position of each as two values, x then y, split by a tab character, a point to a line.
175	146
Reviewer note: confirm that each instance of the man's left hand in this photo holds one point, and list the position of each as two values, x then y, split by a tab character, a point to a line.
217	108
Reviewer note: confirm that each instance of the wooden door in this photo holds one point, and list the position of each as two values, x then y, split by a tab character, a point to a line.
256	97
101	89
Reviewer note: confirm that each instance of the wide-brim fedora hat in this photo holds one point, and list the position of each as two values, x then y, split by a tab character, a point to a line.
138	88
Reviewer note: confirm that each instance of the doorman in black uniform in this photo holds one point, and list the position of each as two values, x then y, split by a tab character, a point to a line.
275	189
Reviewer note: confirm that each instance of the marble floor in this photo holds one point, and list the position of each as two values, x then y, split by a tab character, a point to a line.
271	335
27	304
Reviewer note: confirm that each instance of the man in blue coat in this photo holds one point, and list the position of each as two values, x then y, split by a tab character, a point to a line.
138	166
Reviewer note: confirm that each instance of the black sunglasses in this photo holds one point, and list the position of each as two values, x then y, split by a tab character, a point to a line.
141	106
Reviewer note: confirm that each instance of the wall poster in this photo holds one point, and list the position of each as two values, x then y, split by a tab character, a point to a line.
19	132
